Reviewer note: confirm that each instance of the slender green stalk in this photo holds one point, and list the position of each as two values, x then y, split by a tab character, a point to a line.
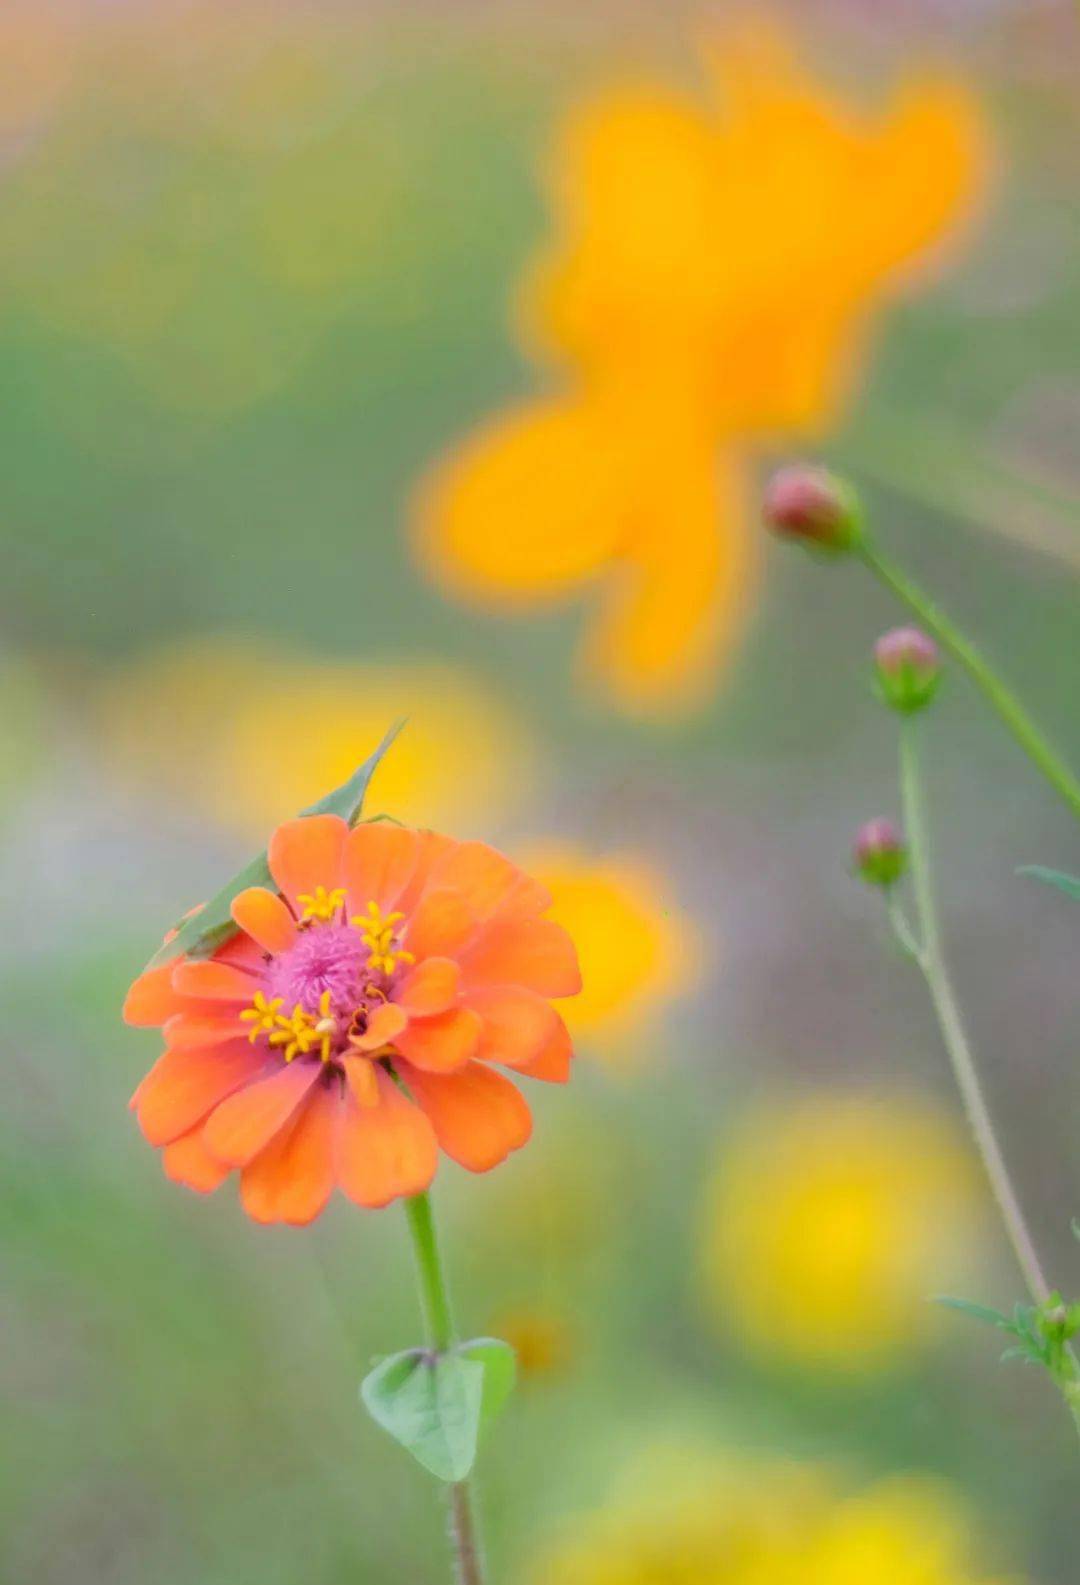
439	1322
434	1298
932	963
1003	700
927	952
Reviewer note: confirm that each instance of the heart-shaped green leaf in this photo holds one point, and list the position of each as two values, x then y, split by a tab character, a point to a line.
500	1372
202	933
1069	884
431	1404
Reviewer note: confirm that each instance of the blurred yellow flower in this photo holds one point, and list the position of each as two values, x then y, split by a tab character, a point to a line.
202	723
771	1525
715	270
831	1223
637	950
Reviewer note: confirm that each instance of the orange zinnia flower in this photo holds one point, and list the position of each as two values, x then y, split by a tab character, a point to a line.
350	1029
713	277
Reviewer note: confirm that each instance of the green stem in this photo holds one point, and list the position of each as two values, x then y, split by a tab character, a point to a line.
931	961
1003	700
438	1320
434	1298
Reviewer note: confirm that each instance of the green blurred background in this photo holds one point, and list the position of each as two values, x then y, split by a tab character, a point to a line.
255	266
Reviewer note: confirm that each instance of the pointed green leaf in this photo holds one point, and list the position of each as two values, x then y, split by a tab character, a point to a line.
431	1404
500	1372
978	1312
202	933
1069	884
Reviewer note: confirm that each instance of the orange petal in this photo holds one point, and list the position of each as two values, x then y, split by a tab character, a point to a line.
307	853
218	982
183	1086
518	1024
529	508
246	1123
188	1031
552	1064
379	863
478	1116
442	1043
431	987
385	1024
488	881
151	998
292	1179
536	953
384	1151
441	924
362	1077
265	918
431	849
685	586
188	1161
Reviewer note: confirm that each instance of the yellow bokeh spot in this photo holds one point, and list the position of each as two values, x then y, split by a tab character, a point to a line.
543	1340
680	1516
202	724
831	1222
638	950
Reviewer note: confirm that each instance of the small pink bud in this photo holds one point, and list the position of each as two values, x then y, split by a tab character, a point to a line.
907	667
812	505
880	853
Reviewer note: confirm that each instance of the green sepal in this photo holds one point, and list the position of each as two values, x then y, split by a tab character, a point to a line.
435	1405
202	934
1069	884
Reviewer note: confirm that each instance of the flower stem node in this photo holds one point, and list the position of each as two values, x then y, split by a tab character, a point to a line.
907	669
813	506
881	855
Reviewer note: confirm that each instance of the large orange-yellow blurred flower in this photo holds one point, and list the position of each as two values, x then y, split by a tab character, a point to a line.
207	723
690	1519
831	1223
638	951
715	270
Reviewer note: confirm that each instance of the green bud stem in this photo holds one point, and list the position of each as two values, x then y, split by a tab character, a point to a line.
1007	705
438	1320
927	953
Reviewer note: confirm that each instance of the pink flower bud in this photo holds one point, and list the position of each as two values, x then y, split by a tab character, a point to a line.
880	853
908	669
812	505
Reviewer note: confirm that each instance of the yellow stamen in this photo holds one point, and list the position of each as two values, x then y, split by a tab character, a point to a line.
380	936
321	904
262	1015
296	1033
326	1028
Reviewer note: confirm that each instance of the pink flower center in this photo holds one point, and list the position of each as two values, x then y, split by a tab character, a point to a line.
326	957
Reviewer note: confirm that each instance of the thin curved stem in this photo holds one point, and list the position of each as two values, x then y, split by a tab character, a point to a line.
1003	700
953	1034
439	1322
